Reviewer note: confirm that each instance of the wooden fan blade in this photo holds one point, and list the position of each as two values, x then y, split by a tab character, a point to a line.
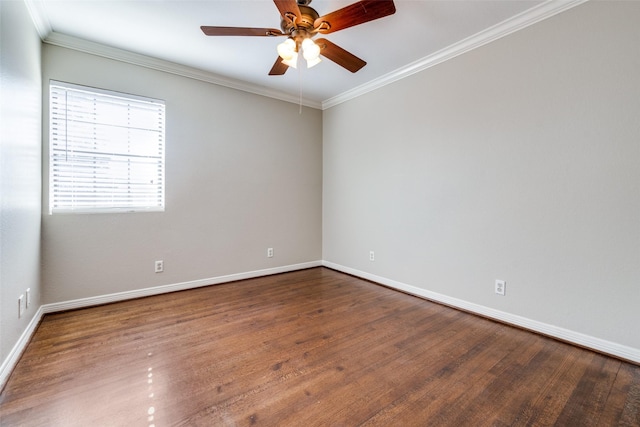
340	56
288	7
279	68
354	14
240	31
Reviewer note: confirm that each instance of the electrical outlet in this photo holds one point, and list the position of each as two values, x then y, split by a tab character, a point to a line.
20	305
270	252
501	287
159	266
27	301
372	256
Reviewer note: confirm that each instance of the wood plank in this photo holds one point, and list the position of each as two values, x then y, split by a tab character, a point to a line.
313	347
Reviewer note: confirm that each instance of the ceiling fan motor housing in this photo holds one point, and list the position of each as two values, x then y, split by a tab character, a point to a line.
308	16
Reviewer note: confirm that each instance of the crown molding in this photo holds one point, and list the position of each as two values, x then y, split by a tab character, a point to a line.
39	17
529	17
518	22
70	42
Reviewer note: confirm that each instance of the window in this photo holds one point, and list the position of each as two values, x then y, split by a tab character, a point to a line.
106	151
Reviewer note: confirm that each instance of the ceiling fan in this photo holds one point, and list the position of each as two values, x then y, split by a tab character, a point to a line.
300	23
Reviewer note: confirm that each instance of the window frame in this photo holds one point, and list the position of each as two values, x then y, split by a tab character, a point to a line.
155	195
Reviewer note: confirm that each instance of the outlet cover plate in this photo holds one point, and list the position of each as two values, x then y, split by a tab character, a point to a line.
20	306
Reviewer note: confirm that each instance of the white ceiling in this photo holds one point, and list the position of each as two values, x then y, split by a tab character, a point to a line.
419	34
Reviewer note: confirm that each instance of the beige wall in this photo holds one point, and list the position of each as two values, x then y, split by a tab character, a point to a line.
20	180
243	173
518	161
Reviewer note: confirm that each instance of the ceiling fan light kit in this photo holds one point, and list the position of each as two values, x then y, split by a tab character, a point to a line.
291	61
313	62
288	51
310	50
300	23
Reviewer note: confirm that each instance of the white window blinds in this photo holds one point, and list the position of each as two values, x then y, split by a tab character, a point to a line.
106	151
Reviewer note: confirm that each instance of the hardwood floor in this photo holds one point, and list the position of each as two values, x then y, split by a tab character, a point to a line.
308	348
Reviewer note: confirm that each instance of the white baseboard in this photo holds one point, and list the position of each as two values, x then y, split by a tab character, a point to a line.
577	338
14	355
157	290
614	349
12	359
